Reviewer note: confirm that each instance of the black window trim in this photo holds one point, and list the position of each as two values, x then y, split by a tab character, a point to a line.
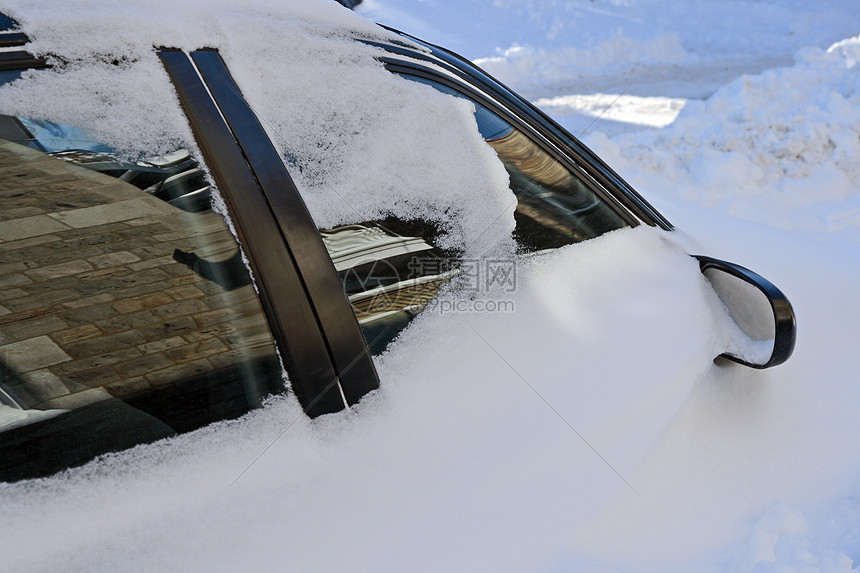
20	60
12	39
328	360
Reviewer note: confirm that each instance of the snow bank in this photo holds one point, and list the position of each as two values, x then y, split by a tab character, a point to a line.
548	48
532	69
782	540
778	148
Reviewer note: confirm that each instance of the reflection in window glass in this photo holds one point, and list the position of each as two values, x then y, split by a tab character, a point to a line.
126	313
51	137
554	207
390	270
175	178
6	22
8	76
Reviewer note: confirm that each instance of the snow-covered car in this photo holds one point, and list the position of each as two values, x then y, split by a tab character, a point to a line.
128	311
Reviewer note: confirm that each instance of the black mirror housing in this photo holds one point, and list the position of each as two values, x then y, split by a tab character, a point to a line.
758	307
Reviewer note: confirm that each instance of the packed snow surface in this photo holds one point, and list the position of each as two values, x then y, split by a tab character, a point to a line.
587	430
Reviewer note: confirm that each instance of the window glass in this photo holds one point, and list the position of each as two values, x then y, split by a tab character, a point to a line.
7	76
390	270
53	137
554	207
126	312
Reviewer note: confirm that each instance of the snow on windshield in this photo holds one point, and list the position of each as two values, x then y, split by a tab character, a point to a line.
361	142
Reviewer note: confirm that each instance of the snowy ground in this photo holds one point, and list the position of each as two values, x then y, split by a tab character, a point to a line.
744	471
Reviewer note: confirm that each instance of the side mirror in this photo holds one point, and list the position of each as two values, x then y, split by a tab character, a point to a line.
760	310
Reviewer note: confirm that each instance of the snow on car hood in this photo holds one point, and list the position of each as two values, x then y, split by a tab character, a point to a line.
494	436
360	142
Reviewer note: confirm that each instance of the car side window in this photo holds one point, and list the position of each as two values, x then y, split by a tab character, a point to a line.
554	206
126	312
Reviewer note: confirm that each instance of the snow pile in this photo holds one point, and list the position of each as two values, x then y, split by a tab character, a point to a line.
531	68
535	45
548	48
783	540
780	148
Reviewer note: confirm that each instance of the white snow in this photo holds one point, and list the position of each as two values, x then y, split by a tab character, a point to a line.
589	430
779	148
460	440
636	110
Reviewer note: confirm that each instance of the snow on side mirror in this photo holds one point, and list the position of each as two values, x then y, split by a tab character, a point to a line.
763	314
